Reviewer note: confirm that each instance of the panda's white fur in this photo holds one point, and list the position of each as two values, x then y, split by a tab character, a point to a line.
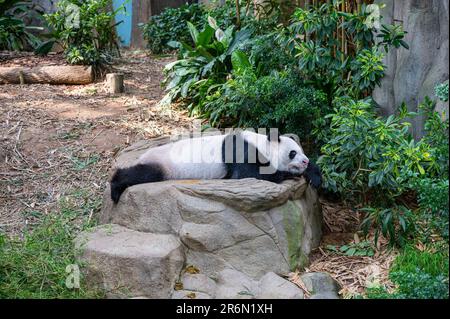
186	159
208	157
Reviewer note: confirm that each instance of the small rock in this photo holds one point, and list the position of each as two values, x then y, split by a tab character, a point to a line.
272	286
319	283
200	283
232	284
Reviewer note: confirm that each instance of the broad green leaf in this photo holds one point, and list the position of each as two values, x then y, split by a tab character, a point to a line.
239	37
44	47
193	31
240	62
204	37
350	251
420	168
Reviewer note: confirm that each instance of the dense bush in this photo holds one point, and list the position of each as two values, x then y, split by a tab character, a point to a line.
433	192
88	37
397	223
279	100
370	158
433	262
413	285
15	34
417	275
442	91
420	285
266	55
340	66
170	25
436	134
434	204
204	65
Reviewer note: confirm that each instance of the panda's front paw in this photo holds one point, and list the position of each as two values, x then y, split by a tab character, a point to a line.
313	175
315	181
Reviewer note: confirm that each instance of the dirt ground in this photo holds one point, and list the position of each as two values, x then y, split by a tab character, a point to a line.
58	141
57	144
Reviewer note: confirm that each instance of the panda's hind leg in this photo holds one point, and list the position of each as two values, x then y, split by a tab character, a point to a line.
138	174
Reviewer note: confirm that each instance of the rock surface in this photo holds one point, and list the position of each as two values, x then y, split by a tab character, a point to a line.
234	232
127	263
412	74
320	285
272	286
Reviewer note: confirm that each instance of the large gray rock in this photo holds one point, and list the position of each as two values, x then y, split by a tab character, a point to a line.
272	286
248	226
199	283
232	284
412	74
127	263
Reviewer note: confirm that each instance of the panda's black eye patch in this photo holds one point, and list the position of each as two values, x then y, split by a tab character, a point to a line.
292	154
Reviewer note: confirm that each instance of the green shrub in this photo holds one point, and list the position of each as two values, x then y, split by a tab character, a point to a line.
436	134
170	25
396	223
266	55
14	33
91	39
203	66
433	262
417	275
420	285
434	203
421	274
370	158
433	192
413	285
279	100
322	58
224	12
441	91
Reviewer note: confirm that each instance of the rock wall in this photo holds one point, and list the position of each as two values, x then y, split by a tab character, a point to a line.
412	74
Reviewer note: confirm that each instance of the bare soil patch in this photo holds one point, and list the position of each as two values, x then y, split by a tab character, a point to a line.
57	142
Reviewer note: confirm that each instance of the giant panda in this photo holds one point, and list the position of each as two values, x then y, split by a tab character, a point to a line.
239	154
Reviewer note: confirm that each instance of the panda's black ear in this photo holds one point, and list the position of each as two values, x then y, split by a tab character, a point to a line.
273	135
293	137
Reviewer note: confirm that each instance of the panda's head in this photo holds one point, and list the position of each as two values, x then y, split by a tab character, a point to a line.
290	155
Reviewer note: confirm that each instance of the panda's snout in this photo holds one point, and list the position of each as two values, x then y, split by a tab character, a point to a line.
303	162
299	166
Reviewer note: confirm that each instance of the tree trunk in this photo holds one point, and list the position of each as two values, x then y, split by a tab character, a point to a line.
61	74
115	82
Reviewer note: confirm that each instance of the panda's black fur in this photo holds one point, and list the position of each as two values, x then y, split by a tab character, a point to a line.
138	174
240	167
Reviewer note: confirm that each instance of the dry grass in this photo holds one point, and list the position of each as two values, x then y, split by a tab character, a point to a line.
353	273
57	142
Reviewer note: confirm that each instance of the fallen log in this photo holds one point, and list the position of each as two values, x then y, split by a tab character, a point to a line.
53	74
